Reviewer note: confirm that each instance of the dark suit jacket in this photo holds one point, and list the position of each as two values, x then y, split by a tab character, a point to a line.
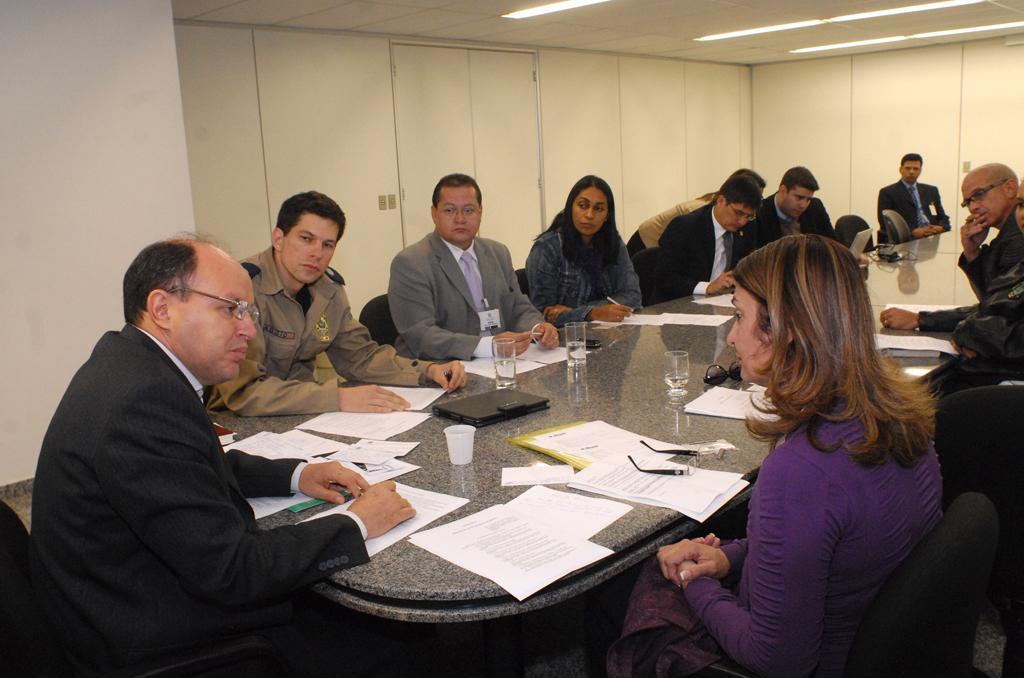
141	536
897	197
995	260
431	304
814	220
688	253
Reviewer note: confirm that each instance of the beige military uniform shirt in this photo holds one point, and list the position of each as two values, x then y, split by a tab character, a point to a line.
652	229
277	375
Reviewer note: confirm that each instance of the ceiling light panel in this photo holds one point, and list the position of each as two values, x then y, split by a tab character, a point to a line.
549	8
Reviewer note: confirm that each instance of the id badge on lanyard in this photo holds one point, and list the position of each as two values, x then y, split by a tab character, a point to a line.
489	319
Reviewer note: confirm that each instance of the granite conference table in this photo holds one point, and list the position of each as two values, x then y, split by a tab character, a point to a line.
622	385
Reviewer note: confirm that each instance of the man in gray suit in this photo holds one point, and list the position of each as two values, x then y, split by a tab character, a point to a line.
142	540
452	292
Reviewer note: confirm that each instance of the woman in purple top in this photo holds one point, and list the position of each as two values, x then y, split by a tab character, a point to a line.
850	486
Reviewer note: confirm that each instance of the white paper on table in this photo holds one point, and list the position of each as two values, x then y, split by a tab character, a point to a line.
392	468
368	451
599	441
572	514
701	319
917	308
726	402
516	554
317	445
266	506
278	446
419	398
914	343
723	300
539	474
636	319
546	356
364	425
429	507
484	367
690	495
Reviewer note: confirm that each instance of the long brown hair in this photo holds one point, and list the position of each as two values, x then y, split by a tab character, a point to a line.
825	367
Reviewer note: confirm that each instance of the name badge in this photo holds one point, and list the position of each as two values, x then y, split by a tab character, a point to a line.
489	319
931	210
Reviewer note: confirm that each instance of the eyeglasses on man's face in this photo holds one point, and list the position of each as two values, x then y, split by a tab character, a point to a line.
742	215
981	193
468	212
238	308
716	374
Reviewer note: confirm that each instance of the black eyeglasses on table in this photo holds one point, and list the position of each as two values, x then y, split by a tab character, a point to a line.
717	374
681	471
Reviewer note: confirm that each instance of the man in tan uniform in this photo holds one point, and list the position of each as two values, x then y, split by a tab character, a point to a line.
304	311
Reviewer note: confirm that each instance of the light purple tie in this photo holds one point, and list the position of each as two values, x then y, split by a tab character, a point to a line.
476	288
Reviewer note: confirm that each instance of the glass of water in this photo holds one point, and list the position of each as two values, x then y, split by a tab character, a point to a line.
576	343
677	373
504	363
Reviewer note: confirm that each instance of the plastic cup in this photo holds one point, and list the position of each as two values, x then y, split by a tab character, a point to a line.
460	443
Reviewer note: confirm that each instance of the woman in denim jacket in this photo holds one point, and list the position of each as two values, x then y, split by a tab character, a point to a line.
579	268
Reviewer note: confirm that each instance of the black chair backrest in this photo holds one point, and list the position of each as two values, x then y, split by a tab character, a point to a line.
896	228
922	622
635	244
28	646
847	228
978	434
524	283
644	263
376	316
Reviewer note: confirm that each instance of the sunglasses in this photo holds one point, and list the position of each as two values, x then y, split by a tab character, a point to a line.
717	374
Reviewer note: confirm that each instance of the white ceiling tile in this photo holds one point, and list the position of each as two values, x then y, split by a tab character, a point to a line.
421	21
350	15
190	9
269	11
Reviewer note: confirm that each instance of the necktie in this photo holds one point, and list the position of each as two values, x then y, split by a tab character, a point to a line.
476	287
922	220
727	241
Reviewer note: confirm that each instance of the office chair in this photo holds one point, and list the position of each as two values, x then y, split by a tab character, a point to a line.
376	316
635	244
847	228
978	435
923	620
28	646
896	229
524	282
645	263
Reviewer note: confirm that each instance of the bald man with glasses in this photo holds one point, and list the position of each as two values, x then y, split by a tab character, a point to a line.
990	193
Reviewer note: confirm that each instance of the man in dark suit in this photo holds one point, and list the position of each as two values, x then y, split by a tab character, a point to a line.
700	249
919	204
451	293
793	209
142	540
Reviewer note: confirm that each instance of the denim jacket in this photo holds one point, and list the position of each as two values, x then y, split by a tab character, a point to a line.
555	280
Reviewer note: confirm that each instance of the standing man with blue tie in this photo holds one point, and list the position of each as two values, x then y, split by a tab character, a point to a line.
451	293
919	204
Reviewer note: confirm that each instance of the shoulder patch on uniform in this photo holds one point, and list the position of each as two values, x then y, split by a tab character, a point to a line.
252	269
334	275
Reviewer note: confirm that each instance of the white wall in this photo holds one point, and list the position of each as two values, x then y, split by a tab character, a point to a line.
94	169
850	119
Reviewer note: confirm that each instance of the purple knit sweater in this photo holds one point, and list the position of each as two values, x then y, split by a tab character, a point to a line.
823	534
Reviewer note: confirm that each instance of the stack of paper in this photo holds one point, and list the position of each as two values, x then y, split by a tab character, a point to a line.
720	300
701	319
429	507
726	402
363	425
913	345
528	543
294	444
581	442
697	496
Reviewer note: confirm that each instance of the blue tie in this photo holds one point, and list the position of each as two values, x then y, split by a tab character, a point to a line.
922	220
